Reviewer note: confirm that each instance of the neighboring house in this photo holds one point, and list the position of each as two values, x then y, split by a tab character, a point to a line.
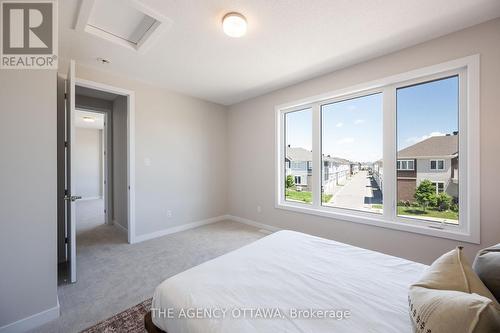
354	168
378	173
335	171
435	159
298	163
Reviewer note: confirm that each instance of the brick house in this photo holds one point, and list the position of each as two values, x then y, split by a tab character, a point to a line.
435	159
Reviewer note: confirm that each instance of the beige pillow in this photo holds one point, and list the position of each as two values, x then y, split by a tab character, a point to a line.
450	297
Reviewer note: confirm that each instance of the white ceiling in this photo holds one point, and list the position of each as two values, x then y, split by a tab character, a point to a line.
120	19
287	41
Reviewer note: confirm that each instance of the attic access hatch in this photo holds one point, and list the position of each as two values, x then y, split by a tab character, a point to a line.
128	23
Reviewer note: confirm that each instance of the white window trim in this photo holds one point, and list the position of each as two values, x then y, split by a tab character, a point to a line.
436	184
469	204
407	169
437	164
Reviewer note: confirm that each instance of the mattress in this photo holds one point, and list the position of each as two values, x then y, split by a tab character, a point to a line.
289	282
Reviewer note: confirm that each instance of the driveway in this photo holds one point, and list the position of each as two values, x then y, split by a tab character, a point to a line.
360	192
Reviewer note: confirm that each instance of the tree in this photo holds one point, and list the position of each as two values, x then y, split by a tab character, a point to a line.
290	182
425	194
444	201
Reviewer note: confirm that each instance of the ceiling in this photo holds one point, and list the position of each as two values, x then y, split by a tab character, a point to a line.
287	41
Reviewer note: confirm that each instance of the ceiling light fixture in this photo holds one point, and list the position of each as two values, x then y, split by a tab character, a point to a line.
234	24
89	119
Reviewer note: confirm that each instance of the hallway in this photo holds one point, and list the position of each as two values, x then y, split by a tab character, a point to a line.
89	214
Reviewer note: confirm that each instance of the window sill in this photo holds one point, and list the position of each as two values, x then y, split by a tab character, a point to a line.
378	220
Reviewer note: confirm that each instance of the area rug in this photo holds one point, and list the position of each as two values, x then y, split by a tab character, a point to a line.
128	321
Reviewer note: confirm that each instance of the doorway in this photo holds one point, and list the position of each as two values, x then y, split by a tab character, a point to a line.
96	165
90	169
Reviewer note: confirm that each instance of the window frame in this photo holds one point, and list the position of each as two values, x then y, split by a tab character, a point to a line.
468	230
437	164
407	163
436	183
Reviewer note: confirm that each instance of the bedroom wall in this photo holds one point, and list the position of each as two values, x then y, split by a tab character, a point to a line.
88	163
181	162
28	196
251	147
119	164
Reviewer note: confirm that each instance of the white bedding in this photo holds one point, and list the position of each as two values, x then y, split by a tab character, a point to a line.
286	271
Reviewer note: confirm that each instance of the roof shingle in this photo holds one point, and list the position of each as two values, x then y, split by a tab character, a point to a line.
435	146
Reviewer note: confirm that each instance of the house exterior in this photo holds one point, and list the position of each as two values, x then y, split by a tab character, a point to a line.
354	168
435	159
334	172
378	173
298	162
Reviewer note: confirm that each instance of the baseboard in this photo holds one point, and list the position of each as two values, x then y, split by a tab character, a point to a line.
182	227
252	223
31	322
120	227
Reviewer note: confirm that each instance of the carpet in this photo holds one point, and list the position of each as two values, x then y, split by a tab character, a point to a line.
113	275
128	321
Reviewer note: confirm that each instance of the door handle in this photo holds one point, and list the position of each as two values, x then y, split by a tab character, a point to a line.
72	197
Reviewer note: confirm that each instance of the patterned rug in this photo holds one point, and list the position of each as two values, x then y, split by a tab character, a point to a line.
128	321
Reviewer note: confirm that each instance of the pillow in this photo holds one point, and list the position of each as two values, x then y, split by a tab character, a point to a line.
487	267
450	297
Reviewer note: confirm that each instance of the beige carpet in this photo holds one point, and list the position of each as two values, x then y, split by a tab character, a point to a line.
114	276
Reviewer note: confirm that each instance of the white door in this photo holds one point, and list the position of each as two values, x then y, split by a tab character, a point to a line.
70	196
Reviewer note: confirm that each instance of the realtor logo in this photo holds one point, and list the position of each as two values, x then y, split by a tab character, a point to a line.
29	34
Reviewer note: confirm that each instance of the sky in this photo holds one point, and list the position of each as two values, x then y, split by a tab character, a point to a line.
352	129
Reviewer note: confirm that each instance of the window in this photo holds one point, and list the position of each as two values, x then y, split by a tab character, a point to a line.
438	164
432	131
351	136
386	153
439	186
298	150
405	165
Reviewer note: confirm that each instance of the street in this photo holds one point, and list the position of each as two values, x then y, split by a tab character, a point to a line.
360	193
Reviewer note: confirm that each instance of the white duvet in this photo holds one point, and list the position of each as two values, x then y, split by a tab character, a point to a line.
278	282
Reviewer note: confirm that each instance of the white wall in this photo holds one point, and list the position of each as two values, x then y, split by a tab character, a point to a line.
251	147
120	179
184	139
88	162
28	194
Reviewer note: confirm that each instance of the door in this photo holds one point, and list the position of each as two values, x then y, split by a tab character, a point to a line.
70	195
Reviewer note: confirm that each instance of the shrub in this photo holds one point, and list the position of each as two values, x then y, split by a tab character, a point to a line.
425	194
444	201
290	182
454	207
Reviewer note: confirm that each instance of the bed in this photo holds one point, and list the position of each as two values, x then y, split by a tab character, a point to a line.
315	284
